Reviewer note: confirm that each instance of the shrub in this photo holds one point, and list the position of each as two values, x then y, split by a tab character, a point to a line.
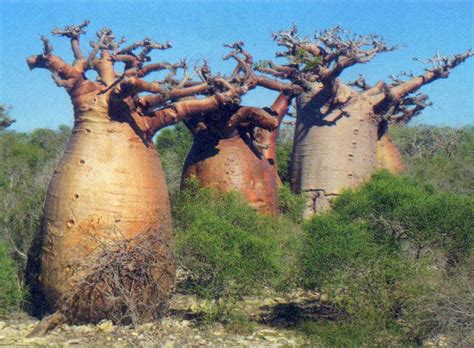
27	165
227	248
291	205
400	212
374	256
173	145
11	294
440	156
284	148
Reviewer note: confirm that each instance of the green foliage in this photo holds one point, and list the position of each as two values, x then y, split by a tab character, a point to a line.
398	210
284	148
27	164
440	156
262	64
313	64
173	144
11	294
301	56
291	205
227	247
5	120
379	252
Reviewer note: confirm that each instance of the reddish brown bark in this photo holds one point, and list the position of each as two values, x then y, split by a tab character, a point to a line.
234	149
388	156
225	157
109	186
337	127
232	164
236	156
267	140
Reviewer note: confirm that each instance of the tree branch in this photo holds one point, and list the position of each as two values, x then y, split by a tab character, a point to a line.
53	63
73	32
441	68
256	116
150	101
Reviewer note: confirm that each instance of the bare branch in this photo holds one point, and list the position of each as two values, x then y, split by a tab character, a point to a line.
106	42
330	52
145	43
133	85
360	83
47	48
441	67
243	57
53	63
407	108
73	32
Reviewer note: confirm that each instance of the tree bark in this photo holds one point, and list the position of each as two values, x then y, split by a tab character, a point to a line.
388	156
108	186
268	139
331	151
232	164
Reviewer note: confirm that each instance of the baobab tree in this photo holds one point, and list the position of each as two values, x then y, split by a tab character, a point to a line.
109	186
338	125
234	147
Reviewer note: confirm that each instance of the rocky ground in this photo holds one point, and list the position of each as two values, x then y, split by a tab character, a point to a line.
266	325
267	321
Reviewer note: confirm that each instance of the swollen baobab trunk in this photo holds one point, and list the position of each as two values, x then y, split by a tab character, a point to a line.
232	164
108	186
107	200
338	127
332	151
224	156
234	149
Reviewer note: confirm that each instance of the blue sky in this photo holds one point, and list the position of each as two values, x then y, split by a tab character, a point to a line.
197	30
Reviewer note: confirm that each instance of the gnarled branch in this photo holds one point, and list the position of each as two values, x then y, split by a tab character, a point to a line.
73	32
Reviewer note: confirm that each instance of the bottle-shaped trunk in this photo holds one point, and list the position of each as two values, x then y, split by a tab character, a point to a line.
233	164
388	156
332	151
108	187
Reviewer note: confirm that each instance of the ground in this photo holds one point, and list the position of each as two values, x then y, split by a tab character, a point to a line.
269	316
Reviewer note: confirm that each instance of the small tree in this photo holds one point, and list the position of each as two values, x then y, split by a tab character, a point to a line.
5	120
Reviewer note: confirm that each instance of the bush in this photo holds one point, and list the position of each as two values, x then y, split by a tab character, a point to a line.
291	205
374	256
173	145
27	165
402	213
11	294
227	248
440	156
284	148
